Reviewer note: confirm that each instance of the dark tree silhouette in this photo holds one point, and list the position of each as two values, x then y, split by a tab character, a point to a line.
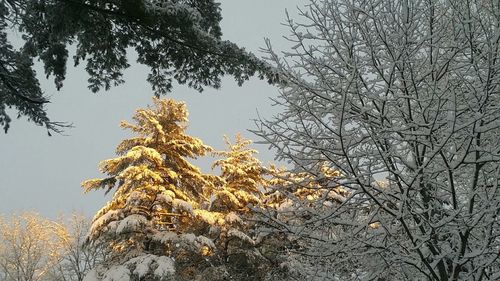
179	40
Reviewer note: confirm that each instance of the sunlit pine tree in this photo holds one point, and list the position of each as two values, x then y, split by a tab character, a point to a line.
242	174
166	218
156	187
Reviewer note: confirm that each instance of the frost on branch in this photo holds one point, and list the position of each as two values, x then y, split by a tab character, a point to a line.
402	98
30	247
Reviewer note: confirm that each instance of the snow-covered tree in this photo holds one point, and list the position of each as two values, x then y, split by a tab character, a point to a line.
402	99
290	222
29	247
241	193
166	218
75	260
158	192
242	174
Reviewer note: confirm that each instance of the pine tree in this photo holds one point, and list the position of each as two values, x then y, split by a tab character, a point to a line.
158	193
242	174
261	198
241	194
166	217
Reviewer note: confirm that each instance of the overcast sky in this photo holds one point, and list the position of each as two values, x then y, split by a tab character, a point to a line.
43	174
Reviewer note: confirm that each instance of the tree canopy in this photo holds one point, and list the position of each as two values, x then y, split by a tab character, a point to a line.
402	98
178	40
29	247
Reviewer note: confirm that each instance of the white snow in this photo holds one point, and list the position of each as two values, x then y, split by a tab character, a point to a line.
165	236
165	266
91	276
182	205
131	222
142	263
104	219
238	234
205	241
232	217
190	237
117	273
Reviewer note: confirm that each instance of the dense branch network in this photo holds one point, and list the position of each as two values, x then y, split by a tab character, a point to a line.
400	97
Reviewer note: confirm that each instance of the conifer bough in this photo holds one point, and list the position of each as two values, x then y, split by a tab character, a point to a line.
177	40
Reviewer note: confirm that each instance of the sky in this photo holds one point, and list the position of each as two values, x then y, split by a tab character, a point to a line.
43	174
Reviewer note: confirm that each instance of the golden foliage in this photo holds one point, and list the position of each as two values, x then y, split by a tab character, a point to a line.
308	187
206	251
157	189
30	245
151	175
241	172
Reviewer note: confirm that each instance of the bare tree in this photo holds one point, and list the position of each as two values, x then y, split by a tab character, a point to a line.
77	259
29	247
402	98
34	248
